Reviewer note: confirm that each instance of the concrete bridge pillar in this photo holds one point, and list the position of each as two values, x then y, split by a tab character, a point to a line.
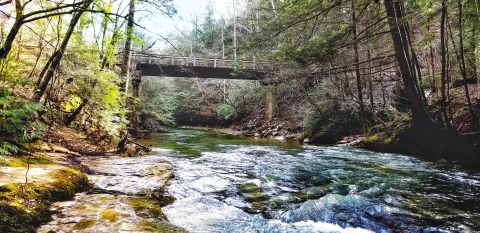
270	103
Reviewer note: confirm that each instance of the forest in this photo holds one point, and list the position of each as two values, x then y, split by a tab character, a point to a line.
357	84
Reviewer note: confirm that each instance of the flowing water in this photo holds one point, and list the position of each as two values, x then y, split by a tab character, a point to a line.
229	184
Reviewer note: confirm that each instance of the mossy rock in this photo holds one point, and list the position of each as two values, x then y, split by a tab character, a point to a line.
24	207
23	161
298	197
254	194
249	187
84	224
162	227
111	216
147	207
251	192
315	192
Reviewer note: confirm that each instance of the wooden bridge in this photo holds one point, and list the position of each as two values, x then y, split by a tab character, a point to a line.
199	67
195	67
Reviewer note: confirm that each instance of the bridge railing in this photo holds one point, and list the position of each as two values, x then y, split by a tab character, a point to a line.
198	61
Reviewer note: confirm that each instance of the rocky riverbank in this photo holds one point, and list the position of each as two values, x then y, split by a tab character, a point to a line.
57	188
127	195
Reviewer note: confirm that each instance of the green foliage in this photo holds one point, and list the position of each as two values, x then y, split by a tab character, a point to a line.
373	138
156	100
225	111
104	113
319	48
72	104
16	121
7	149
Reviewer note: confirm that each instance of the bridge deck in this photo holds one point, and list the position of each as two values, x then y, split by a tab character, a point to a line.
198	72
188	67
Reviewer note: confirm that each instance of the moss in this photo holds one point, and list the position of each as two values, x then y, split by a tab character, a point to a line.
375	138
105	199
389	139
111	216
147	207
22	161
382	138
298	197
23	207
161	227
254	194
248	187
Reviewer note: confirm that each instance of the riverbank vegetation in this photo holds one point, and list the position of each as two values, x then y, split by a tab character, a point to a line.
404	73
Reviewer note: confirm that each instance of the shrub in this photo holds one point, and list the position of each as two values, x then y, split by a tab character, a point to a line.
16	122
225	111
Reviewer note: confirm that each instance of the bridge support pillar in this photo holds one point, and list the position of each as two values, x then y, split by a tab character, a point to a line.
270	103
134	104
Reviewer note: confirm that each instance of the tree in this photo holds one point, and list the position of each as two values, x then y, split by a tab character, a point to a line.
54	61
358	78
22	18
444	65
406	59
128	44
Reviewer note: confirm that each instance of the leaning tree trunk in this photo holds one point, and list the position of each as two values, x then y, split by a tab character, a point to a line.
57	56
7	46
19	20
406	59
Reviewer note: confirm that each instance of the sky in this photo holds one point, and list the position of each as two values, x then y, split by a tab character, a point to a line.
158	24
186	12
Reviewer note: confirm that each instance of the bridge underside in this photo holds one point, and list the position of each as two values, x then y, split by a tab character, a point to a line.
198	72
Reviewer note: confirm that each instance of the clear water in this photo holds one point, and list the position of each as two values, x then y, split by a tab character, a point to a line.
231	184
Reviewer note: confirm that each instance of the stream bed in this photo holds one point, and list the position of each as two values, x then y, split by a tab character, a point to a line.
229	184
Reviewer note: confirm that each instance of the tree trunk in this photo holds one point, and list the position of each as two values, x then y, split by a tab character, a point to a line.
357	69
405	56
444	65
370	81
134	103
128	46
7	46
234	31
432	67
473	62
463	69
19	21
57	56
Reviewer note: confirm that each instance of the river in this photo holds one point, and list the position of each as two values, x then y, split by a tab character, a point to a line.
229	184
